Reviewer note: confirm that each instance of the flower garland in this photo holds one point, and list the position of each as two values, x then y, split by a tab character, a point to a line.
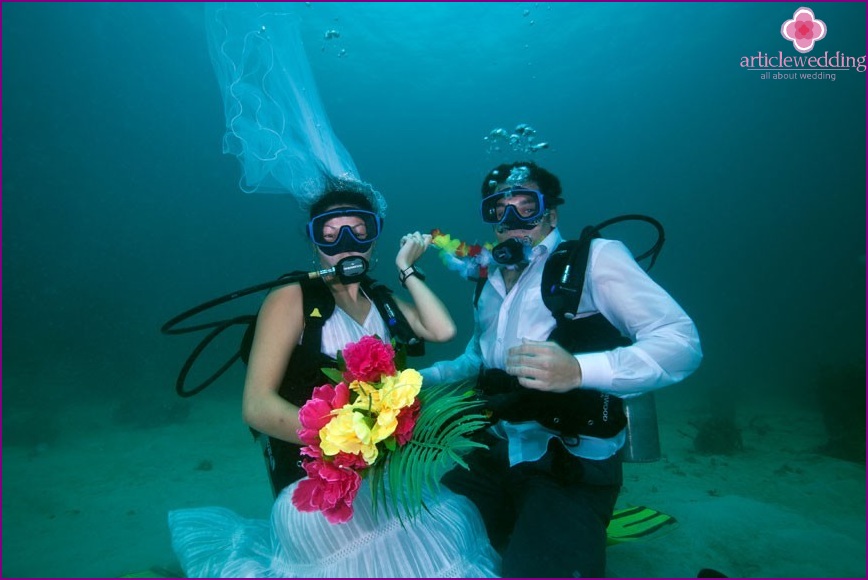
471	261
376	416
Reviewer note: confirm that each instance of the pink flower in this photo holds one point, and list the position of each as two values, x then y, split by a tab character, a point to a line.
316	412
407	422
353	461
328	488
803	30
368	360
311	451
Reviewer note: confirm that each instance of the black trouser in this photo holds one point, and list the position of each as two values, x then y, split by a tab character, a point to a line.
547	518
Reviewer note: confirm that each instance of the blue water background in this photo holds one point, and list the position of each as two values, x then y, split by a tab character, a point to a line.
120	209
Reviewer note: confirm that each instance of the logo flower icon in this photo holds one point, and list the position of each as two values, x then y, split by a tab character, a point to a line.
803	30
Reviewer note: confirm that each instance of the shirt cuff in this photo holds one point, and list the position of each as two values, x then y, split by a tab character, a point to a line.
596	370
430	376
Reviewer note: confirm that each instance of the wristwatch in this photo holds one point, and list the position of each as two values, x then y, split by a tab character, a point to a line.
407	272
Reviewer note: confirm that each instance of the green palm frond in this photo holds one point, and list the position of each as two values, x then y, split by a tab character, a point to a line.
448	416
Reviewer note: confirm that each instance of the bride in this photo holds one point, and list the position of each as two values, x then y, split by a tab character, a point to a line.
286	146
446	539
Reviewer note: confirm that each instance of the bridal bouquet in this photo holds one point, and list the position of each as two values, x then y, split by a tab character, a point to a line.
377	422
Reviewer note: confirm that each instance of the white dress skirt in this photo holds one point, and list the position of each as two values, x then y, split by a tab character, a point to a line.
448	540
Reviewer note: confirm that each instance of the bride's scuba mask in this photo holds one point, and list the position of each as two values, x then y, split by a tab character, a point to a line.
344	230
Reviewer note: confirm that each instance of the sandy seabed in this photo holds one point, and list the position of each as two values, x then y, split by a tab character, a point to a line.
92	501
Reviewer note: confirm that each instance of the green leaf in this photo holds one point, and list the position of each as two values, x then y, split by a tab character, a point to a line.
448	417
400	356
390	443
333	374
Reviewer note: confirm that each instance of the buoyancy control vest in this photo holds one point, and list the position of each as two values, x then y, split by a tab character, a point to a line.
303	372
579	411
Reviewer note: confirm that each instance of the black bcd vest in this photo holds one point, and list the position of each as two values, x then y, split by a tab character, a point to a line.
578	411
303	372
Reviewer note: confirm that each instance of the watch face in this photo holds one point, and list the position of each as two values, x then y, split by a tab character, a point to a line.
410	271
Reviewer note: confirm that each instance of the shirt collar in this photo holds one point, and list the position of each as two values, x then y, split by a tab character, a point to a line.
544	248
549	243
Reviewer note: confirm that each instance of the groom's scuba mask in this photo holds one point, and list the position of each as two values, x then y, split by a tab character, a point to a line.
335	236
516	208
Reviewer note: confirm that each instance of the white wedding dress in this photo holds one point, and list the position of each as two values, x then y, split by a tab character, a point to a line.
448	540
278	128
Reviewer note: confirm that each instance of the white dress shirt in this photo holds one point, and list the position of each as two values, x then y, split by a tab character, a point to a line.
665	345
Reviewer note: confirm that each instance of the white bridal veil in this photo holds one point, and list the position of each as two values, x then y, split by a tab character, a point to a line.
275	122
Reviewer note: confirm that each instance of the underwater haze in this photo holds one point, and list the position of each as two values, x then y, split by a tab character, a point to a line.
120	209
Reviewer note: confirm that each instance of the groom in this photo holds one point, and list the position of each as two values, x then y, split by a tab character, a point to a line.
548	483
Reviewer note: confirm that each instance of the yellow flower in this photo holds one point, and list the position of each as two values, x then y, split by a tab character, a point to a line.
372	417
387	422
400	391
369	397
348	431
446	243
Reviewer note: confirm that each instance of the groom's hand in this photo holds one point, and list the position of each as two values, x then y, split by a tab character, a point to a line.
544	366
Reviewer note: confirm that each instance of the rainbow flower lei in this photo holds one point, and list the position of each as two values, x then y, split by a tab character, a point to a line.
471	261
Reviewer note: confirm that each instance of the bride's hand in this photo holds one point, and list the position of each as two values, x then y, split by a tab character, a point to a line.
412	246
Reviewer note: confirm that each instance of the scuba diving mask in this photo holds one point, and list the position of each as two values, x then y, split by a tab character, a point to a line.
516	208
337	238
